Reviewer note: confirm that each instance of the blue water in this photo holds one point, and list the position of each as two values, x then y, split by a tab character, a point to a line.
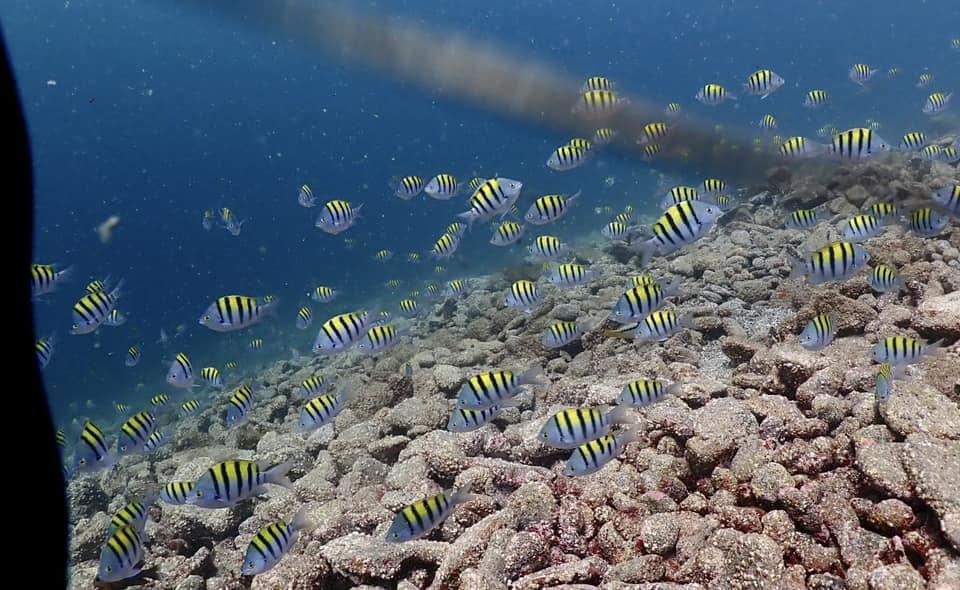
158	114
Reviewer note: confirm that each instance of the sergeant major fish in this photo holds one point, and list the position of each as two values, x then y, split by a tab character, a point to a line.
272	542
492	388
232	481
679	225
234	312
819	332
44	278
568	429
341	331
421	517
837	261
92	310
592	456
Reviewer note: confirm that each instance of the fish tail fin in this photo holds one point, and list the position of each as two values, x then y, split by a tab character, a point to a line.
936	347
647	249
469	217
532	376
277	474
622	415
673	288
66	274
463	495
630	435
798	268
301	521
118	290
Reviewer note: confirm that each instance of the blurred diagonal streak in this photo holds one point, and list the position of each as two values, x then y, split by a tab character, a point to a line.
458	66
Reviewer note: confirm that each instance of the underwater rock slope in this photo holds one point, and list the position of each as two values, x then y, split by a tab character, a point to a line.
771	467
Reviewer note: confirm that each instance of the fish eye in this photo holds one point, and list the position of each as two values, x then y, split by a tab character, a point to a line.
83	461
109	569
396	535
199	494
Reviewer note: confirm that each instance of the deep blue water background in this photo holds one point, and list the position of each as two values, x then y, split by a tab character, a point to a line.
241	119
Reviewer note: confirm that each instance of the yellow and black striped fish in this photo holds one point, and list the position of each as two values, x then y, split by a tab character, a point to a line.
799	147
714	94
44	348
121	556
913	140
836	261
884	279
421	517
570	275
861	73
445	246
232	481
816	99
379	338
570	428
456	288
643	392
442	187
92	452
548	247
322	294
322	409
189	407
312	386
239	405
255	344
655	132
341	331
672	109
492	198
337	216
597	83
523	294
407	187
549	208
133	356
926	222
559	334
507	233
234	312
763	83
271	543
567	157
135	431
604	135
857	143
304	317
598	103
211	375
176	492
44	278
134	514
93	309
160	400
936	102
903	350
